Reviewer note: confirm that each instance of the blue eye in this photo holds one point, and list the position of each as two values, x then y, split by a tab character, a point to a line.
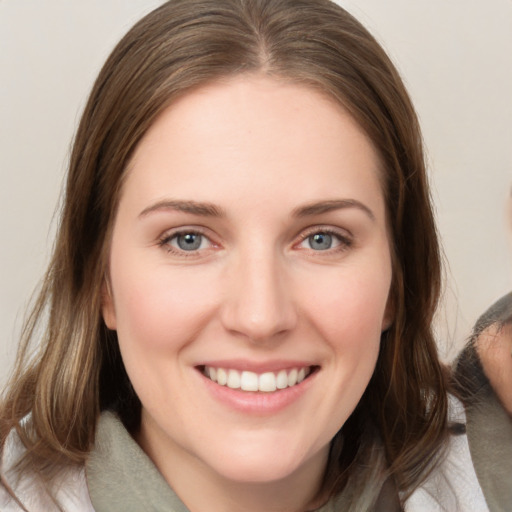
325	240
320	241
188	241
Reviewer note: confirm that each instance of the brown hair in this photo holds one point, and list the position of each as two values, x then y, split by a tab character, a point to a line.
400	424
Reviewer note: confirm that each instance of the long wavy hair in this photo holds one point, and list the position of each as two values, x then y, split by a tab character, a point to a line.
69	367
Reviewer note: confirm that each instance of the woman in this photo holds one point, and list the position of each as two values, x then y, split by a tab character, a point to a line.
238	310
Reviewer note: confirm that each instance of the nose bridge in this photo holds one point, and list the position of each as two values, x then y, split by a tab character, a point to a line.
259	304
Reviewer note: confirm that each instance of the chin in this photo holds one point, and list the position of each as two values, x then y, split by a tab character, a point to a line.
257	472
254	463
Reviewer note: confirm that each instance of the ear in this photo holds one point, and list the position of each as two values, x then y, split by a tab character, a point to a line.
389	314
107	306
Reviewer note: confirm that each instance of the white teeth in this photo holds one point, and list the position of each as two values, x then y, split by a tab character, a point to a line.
292	377
222	376
233	379
267	382
282	380
250	381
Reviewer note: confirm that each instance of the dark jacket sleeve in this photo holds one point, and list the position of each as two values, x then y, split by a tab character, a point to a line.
488	426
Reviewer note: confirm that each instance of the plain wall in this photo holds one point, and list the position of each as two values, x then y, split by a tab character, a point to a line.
455	57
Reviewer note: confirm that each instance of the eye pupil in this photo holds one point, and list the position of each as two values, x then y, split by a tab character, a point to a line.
189	241
320	241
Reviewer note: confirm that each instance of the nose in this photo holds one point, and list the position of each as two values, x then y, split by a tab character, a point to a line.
259	302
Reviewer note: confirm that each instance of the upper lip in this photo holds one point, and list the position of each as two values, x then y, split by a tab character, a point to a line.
257	366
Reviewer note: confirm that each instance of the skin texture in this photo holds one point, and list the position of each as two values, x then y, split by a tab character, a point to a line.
255	294
494	347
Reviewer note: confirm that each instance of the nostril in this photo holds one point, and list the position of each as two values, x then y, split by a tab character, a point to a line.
259	326
257	303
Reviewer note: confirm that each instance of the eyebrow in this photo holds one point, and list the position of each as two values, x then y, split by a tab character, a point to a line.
211	210
193	207
327	206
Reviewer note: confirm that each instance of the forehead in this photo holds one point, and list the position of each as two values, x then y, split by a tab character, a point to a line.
258	136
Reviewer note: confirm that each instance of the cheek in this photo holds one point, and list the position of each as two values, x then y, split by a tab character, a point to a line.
349	316
350	307
160	309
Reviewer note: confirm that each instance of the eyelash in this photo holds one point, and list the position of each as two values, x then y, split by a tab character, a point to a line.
165	242
345	242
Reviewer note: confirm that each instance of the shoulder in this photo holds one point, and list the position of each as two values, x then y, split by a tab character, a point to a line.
476	474
483	376
454	484
71	493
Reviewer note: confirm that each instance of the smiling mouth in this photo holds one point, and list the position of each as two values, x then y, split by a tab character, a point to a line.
267	382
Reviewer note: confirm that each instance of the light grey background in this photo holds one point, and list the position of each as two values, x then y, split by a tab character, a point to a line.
455	56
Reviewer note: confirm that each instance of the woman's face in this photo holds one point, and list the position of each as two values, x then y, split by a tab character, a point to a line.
249	278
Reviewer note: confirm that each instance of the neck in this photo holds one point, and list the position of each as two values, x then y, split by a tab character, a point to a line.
220	495
202	488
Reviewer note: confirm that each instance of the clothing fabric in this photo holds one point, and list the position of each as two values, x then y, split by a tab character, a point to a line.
71	492
476	475
120	477
489	428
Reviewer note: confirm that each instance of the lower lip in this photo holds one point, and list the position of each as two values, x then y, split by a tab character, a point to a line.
258	403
